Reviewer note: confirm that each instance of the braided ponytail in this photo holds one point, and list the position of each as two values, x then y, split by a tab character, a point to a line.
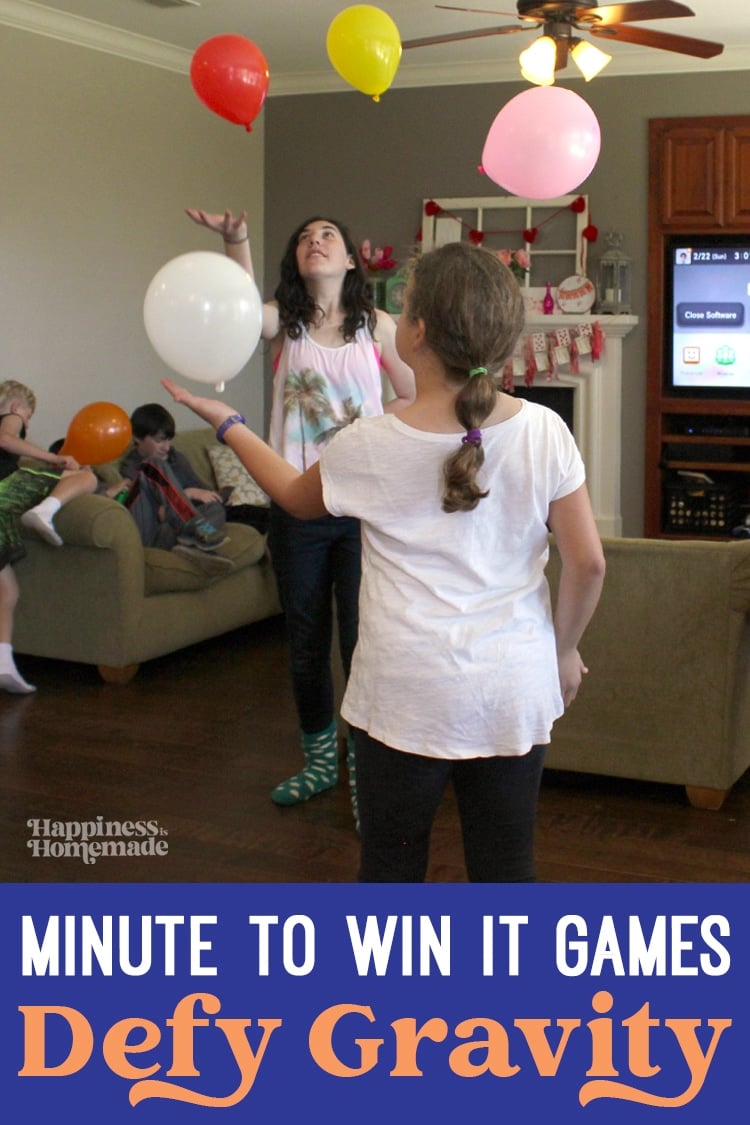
475	401
473	313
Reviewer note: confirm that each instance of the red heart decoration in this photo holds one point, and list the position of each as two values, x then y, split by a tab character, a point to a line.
590	233
530	234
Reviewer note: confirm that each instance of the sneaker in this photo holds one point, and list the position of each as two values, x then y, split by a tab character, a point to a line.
42	525
200	544
207	561
199	532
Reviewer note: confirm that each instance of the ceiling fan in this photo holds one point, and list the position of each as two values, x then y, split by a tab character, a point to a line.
560	19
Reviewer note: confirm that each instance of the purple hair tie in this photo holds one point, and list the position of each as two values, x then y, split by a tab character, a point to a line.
472	437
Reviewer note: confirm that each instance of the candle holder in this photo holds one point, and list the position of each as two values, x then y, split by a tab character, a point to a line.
613	282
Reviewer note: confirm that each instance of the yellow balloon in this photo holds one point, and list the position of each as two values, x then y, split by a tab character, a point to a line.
364	46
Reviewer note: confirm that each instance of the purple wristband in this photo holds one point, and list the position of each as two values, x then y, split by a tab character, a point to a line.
230	421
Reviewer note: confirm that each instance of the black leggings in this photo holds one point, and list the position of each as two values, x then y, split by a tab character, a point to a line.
314	562
399	795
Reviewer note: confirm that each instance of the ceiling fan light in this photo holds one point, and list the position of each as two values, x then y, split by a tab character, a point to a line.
538	61
589	59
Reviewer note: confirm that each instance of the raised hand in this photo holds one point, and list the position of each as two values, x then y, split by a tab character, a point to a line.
211	410
232	228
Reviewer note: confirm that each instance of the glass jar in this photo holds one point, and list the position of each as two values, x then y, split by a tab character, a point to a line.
376	285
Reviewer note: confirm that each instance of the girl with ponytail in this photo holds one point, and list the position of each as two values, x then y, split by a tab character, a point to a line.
461	668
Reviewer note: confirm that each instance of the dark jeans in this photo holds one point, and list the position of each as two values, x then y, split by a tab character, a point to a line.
399	795
314	562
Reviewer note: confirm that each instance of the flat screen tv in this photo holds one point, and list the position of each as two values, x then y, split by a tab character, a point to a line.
707	316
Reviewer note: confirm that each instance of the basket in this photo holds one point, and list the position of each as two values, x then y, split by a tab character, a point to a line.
695	507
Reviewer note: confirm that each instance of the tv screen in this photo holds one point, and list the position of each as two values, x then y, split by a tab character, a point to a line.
707	316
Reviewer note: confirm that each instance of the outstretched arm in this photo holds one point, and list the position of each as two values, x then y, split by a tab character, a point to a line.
10	440
571	521
300	494
233	230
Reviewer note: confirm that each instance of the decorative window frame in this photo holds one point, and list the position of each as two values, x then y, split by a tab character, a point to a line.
447	226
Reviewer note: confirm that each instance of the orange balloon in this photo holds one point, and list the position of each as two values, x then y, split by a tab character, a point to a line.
99	432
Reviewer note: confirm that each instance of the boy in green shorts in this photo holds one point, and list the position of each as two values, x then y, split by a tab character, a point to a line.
31	494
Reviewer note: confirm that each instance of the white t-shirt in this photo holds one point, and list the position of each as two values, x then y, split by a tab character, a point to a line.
456	652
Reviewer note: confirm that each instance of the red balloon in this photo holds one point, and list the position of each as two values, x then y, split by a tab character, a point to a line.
99	432
230	75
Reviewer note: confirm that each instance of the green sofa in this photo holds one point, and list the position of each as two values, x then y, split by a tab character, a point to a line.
103	599
667	698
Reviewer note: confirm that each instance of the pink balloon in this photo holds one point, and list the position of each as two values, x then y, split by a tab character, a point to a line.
543	143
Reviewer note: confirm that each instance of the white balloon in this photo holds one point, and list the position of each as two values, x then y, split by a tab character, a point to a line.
203	315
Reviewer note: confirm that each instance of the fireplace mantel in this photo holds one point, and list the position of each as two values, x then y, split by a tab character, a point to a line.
597	406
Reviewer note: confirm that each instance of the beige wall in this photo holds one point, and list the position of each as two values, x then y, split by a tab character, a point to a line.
371	165
100	156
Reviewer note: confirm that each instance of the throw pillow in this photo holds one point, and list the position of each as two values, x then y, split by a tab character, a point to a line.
229	471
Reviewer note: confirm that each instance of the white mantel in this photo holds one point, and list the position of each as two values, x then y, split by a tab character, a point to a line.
597	406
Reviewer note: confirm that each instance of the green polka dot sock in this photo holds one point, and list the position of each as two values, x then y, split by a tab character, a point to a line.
351	768
321	770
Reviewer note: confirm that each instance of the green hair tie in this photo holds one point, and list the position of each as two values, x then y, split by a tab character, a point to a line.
477	371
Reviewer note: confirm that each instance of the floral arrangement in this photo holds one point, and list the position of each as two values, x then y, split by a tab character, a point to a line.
517	261
377	260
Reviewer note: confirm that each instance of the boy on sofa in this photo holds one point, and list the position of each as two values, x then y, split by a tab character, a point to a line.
173	508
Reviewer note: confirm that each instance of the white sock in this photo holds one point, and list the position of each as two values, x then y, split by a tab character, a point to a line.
48	507
10	678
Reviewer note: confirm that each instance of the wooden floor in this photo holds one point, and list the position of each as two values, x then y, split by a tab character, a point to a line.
199	738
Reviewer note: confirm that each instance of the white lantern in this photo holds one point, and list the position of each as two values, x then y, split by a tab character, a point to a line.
614	277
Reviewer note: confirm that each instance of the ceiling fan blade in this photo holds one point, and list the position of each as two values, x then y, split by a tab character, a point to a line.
456	36
681	44
627	13
475	11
